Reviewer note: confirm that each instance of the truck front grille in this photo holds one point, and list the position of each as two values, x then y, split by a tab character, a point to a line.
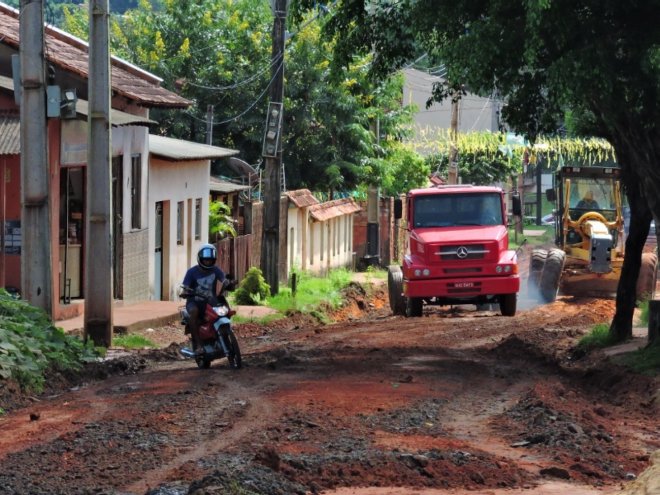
462	252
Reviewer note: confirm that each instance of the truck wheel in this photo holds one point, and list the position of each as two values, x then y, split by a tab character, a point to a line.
414	306
508	304
549	284
648	277
395	290
536	262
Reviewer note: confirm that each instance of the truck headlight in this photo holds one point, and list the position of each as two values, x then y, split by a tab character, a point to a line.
498	268
418	272
426	272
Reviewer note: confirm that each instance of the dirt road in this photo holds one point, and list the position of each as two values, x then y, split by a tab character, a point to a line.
457	401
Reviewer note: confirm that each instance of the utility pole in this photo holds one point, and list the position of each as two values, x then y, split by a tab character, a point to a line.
452	175
98	222
270	245
209	124
36	262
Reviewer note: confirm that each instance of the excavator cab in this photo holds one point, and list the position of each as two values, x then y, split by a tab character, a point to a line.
589	234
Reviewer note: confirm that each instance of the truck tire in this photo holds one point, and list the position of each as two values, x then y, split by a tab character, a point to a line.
552	268
508	304
414	307
395	290
648	277
536	263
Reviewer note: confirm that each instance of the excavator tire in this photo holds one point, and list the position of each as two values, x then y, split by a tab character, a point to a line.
536	263
552	268
648	277
395	290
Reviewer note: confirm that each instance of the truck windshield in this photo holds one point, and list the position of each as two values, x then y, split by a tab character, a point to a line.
447	210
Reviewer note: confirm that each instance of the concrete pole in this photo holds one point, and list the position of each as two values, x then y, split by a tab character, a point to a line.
98	222
36	266
270	245
452	176
209	124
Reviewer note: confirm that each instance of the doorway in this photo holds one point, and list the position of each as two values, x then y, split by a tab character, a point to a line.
117	228
71	235
158	253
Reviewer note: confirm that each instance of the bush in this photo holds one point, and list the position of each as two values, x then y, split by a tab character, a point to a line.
253	289
30	344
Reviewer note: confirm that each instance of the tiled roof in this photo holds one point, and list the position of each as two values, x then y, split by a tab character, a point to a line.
71	54
180	150
302	198
10	134
331	209
117	117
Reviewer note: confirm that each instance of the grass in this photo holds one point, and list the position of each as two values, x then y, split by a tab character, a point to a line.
312	292
597	338
645	361
546	238
132	341
264	320
644	313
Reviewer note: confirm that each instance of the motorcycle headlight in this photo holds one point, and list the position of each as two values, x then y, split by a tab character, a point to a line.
221	310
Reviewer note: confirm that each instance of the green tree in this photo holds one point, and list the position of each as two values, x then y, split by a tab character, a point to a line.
218	52
600	59
221	224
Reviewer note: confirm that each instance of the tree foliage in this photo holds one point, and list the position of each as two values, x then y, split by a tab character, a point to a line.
218	52
598	59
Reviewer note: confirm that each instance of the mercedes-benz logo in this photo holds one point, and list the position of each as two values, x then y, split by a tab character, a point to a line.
462	252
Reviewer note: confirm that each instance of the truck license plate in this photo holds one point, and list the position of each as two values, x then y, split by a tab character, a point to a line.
463	285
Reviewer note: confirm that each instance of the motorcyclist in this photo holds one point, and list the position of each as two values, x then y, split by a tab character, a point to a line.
201	282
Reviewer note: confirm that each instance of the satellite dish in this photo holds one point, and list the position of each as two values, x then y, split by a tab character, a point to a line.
241	167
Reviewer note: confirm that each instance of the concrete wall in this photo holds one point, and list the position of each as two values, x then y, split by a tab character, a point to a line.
171	183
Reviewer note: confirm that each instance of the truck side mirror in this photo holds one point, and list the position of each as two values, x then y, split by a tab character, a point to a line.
550	195
516	204
398	209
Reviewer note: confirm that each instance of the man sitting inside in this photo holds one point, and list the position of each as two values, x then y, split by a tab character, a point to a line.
588	202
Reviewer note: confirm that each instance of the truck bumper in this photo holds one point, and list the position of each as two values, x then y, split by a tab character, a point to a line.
461	288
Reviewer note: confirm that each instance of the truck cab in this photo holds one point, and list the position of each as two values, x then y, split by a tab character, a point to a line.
457	251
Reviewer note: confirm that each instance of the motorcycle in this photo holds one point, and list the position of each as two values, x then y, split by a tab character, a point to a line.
217	339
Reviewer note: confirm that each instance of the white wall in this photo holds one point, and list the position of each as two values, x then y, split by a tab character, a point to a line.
329	244
173	182
475	113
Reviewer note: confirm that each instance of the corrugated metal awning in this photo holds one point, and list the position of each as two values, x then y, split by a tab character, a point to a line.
223	186
332	209
10	135
179	150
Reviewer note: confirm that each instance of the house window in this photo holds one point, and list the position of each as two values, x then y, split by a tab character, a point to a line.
198	219
136	192
179	223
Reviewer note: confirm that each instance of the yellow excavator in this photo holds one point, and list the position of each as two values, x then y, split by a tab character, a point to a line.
590	239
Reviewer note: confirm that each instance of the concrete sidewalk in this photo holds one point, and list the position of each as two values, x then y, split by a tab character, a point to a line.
128	317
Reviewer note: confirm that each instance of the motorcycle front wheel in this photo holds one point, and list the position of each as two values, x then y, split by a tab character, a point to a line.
234	358
202	362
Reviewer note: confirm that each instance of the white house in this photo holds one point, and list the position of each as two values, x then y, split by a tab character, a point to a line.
178	206
320	235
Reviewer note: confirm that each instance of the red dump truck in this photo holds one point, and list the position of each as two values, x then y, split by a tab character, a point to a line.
457	250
